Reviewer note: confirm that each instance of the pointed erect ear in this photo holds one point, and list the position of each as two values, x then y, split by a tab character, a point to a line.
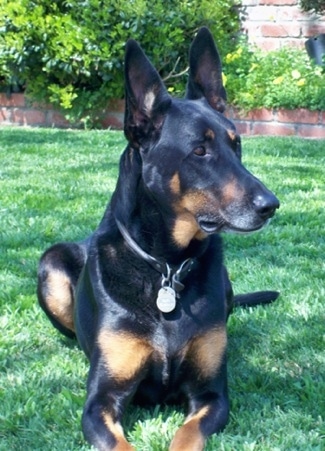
205	75
146	98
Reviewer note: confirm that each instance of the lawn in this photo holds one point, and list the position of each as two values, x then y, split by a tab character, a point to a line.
54	186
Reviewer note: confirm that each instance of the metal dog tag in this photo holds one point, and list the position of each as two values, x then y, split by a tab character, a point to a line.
166	299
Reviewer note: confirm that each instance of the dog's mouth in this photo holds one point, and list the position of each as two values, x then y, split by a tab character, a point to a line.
209	227
242	231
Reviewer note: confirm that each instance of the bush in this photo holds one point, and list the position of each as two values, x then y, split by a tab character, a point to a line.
317	6
284	78
70	52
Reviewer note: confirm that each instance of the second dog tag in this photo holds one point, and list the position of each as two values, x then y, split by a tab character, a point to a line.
166	299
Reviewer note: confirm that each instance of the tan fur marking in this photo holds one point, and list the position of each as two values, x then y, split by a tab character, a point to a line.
231	134
231	191
175	184
124	354
193	201
210	134
185	229
189	437
206	351
59	300
117	430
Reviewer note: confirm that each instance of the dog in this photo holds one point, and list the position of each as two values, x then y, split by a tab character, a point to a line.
147	295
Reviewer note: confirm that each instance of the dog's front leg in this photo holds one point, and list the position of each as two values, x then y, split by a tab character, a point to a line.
117	367
205	386
101	420
208	418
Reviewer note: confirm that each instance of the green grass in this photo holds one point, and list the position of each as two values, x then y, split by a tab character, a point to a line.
54	186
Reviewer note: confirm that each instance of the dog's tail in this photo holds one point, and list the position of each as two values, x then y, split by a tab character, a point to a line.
255	298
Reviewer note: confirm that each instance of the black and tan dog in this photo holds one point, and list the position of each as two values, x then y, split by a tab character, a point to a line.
147	294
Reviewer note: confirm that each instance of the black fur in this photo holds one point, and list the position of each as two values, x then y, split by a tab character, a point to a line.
181	183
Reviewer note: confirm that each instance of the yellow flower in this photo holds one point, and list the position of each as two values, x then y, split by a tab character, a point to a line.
233	56
239	51
301	82
224	79
278	80
295	74
229	58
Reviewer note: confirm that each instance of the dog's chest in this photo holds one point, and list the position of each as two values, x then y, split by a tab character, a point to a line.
180	355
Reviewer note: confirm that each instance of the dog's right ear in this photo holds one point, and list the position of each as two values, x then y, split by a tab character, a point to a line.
205	74
146	98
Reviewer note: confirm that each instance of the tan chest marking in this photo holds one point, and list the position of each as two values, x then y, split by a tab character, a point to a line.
124	354
206	351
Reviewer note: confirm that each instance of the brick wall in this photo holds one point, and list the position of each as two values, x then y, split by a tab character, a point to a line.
272	24
16	110
300	122
309	124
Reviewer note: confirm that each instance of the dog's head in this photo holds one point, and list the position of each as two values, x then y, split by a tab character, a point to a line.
191	153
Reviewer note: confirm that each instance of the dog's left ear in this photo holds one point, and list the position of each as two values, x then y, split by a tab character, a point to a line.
146	98
205	74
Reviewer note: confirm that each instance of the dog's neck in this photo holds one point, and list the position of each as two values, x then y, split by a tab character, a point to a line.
172	276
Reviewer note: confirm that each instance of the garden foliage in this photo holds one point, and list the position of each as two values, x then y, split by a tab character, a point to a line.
284	78
70	52
317	6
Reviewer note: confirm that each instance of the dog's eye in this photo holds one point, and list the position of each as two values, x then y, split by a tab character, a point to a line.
200	151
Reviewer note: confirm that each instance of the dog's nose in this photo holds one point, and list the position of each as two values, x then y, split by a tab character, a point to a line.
265	205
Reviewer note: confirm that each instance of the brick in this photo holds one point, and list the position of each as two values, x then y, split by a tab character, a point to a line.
311	131
298	43
261	13
322	118
56	119
273	129
229	113
311	29
18	116
12	100
279	2
113	120
117	105
268	44
253	29
5	114
262	115
249	2
38	105
243	127
27	117
280	30
301	116
34	117
290	14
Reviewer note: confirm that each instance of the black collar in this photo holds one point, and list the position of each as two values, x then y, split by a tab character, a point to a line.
170	276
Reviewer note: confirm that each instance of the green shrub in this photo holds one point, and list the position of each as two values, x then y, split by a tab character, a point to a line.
70	52
284	78
317	6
